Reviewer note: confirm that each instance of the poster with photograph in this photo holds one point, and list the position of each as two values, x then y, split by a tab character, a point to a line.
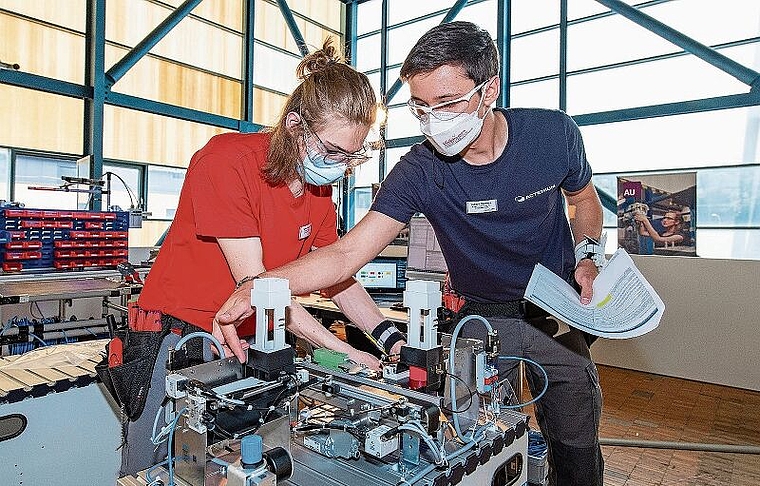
656	214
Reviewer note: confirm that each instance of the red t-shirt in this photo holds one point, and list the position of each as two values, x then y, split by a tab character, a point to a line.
225	196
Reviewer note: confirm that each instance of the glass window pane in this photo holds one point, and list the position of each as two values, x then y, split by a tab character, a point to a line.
272	28
401	123
729	197
541	94
164	185
709	21
401	10
326	13
368	172
228	13
610	40
727	137
584	8
484	14
369	16
5	173
368	53
283	78
532	14
724	243
682	78
40	120
72	17
46	172
401	39
125	186
362	201
402	95
525	64
608	185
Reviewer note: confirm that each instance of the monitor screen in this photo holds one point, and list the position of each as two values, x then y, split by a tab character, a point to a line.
383	275
424	252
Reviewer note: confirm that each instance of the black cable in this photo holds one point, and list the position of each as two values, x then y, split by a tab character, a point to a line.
469	396
130	193
42	315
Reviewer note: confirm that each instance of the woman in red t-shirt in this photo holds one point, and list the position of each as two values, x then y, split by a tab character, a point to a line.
252	202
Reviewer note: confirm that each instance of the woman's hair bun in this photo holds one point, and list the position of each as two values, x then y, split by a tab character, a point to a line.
319	60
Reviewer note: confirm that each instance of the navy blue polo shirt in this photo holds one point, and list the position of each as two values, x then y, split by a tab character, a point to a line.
494	222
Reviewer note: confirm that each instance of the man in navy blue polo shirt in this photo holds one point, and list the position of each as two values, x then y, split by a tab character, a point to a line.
493	183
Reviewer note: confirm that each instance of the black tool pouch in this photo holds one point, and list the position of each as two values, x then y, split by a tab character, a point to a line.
129	382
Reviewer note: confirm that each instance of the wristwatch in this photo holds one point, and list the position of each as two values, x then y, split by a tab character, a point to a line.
591	249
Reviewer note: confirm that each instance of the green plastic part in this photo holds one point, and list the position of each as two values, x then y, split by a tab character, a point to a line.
329	358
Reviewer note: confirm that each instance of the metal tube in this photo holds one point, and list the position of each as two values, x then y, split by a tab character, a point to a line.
89	331
117	307
726	64
683	446
287	14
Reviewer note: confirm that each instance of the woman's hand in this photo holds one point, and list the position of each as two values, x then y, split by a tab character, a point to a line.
233	312
366	359
232	336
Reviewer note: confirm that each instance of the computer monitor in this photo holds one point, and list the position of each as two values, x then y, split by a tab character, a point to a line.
383	275
424	254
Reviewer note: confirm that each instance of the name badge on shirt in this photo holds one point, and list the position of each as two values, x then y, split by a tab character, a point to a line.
304	231
487	206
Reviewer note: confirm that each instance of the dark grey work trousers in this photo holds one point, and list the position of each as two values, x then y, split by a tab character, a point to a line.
569	412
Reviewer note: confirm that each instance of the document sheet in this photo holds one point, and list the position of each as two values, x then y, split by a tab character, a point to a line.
624	304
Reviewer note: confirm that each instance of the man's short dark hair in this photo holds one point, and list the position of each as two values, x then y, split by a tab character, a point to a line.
455	43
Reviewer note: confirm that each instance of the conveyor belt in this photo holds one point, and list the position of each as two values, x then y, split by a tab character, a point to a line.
20	382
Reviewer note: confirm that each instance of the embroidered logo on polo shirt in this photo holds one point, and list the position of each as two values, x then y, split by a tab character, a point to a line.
486	206
534	194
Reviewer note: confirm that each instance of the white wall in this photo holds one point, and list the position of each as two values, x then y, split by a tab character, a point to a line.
711	327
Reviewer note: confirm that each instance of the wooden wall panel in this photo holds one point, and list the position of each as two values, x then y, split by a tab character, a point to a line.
155	139
225	12
192	41
271	28
72	16
42	50
37	120
172	83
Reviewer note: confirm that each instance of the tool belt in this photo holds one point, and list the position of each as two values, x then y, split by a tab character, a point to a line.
519	309
131	355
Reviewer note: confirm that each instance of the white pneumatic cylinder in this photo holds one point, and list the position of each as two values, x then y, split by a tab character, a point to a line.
270	297
423	298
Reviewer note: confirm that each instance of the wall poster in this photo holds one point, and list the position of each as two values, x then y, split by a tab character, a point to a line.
657	214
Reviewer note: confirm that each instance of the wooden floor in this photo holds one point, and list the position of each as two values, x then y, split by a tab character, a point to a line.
643	406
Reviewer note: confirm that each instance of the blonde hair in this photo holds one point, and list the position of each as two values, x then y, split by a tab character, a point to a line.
330	89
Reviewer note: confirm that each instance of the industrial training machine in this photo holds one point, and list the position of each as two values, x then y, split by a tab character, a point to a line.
435	417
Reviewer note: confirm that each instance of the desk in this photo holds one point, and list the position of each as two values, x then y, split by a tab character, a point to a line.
325	308
17	289
62	287
327	312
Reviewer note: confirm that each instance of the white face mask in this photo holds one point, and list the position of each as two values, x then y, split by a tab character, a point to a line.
450	137
318	172
453	135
